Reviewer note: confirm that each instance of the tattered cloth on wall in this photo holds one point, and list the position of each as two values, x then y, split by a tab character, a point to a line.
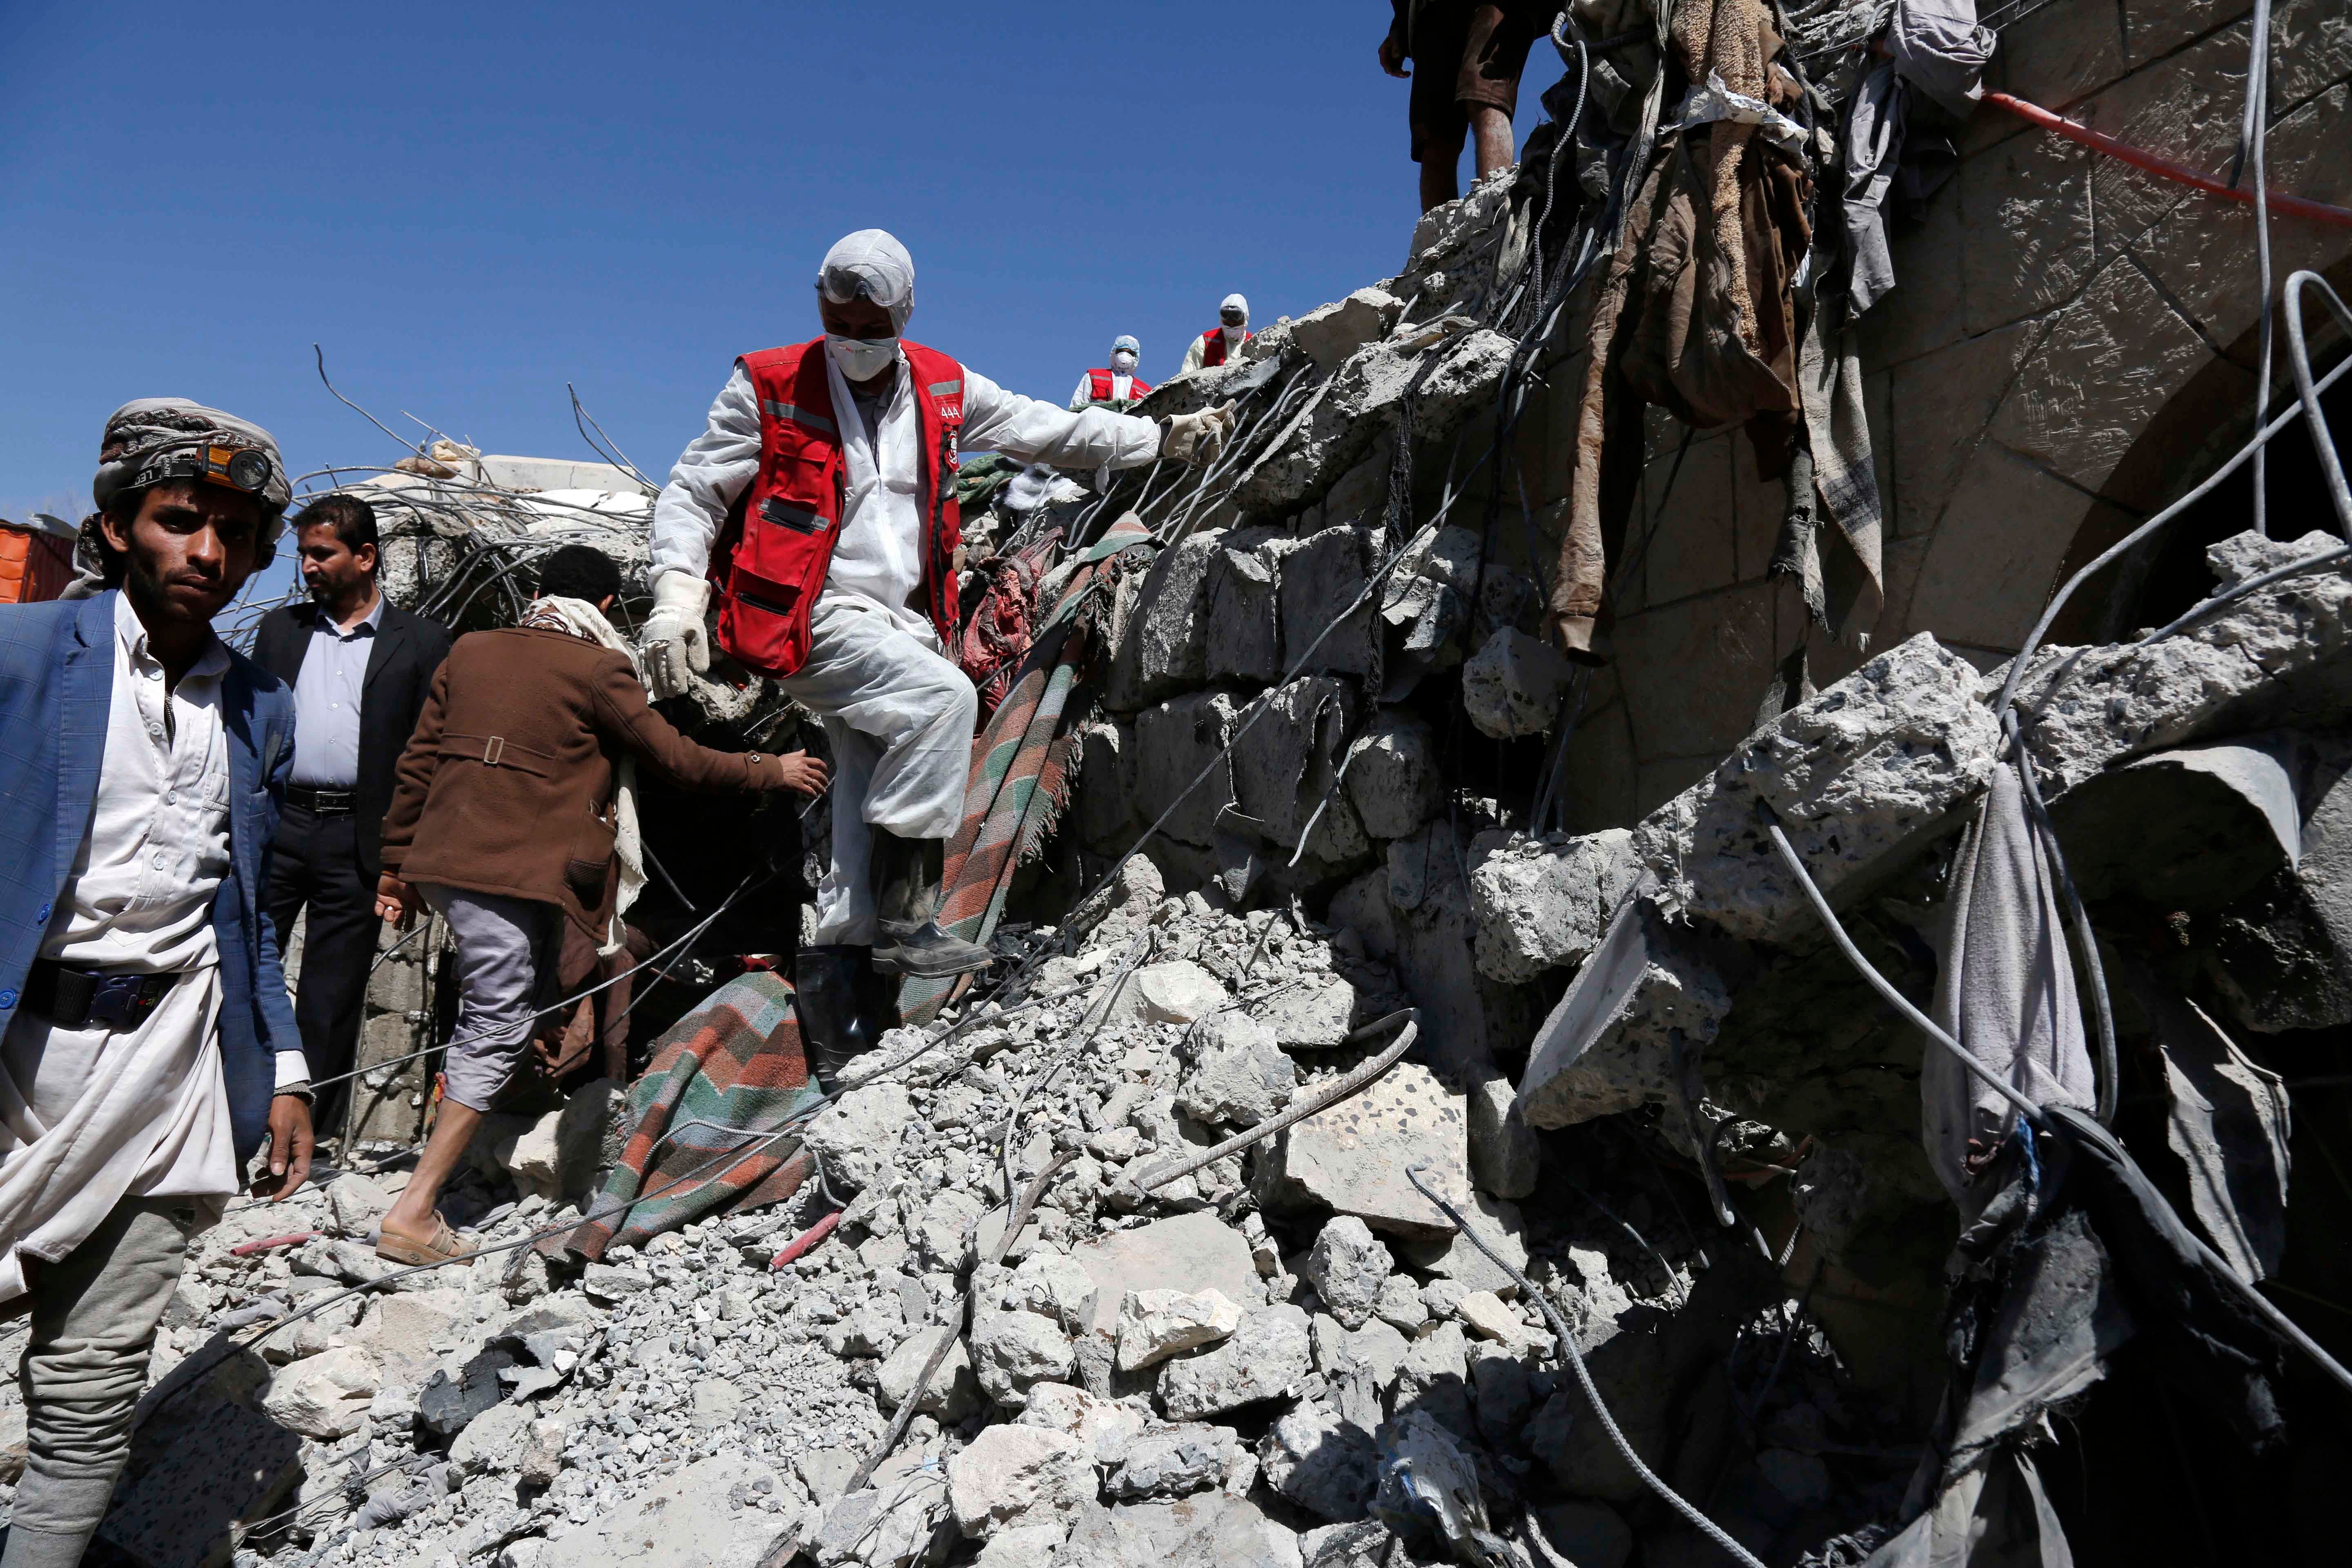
1002	624
1696	311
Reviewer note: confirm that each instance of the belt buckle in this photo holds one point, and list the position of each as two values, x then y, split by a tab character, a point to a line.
493	749
123	1000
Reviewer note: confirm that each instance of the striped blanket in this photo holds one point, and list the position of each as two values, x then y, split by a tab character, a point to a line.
1024	762
732	1064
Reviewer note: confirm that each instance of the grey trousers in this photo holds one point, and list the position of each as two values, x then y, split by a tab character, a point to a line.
506	953
94	1317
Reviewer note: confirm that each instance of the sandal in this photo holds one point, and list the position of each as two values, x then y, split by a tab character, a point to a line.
441	1246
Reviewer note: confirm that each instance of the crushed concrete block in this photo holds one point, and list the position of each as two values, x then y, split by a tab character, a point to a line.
493	1441
1207	1530
1349	1268
1237	1076
1400	1305
324	1397
1323	578
1861	776
1459	1266
1161	651
897	1525
1394	779
679	1521
1489	1319
2280	657
1055	1285
1171	1461
1191	1253
1243	624
1513	686
1174	743
1330	334
1013	1475
358	1206
1321	1461
1615	1039
1287	768
1024	1546
543	1453
854	1137
1106	1427
1011	1351
1176	992
954	1391
556	1157
1315	1015
1363	399
1266	1355
1352	1159
1377	1349
1545	903
1506	1159
1156	1324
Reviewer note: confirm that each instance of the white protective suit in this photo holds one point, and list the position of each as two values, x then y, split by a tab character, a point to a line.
1196	352
899	713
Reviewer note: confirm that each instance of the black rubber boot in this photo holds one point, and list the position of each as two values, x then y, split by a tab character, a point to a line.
829	988
906	896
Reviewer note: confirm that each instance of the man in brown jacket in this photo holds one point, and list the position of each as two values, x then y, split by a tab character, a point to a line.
505	820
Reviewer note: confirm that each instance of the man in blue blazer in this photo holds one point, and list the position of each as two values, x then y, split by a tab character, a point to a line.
147	1048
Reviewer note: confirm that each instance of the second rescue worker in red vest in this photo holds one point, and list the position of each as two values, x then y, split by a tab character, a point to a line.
1230	332
818	510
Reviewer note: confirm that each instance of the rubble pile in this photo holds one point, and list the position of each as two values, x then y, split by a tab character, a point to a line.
1263	1362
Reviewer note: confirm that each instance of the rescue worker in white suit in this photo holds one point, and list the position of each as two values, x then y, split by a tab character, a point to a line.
816	514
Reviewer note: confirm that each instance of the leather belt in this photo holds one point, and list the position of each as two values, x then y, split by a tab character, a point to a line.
322	802
76	998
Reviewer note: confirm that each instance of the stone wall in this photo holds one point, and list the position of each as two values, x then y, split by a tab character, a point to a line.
2071	344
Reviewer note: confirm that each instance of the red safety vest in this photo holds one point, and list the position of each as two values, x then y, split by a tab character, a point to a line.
773	555
1100	381
1213	344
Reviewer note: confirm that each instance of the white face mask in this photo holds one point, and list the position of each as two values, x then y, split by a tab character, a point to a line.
1236	328
861	359
1123	363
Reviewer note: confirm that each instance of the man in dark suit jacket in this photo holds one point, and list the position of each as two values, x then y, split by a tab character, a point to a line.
359	667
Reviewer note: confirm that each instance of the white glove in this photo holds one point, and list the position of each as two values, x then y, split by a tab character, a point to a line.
674	641
1197	439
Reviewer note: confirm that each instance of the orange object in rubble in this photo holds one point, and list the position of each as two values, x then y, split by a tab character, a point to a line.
35	565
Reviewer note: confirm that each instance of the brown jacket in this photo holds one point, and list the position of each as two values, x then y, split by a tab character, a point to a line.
507	785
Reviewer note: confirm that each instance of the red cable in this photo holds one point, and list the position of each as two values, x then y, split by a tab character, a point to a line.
2289	206
250	1248
806	1239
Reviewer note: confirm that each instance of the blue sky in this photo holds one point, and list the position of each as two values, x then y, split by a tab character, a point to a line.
469	206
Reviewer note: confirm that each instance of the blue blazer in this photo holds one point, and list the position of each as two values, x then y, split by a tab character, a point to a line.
56	687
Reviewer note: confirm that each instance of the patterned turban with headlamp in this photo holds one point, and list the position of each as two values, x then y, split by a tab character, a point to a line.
154	440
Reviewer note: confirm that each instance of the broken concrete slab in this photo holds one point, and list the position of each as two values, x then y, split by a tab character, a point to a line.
1349	1268
954	1392
1287	768
1175	743
1321	1461
1513	685
1331	626
1352	1159
1237	1076
1617	1040
1243	623
1161	651
1208	1530
1505	1157
1861	776
1156	1324
1543	903
853	1138
1266	1355
1107	1427
1330	334
1171	1461
1315	1015
1010	1351
1190	1253
1009	1476
1394	779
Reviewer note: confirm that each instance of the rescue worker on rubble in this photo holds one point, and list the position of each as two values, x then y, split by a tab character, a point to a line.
150	1047
820	502
1230	332
510	817
1116	387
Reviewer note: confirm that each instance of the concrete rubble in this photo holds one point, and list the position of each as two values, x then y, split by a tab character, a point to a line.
1656	1092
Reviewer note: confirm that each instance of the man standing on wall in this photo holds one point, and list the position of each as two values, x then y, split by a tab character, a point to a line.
819	504
149	1047
360	668
1470	55
1231	330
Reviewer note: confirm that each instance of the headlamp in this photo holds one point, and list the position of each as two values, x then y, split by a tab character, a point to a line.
241	467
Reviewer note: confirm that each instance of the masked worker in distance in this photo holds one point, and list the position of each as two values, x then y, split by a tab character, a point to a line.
1230	332
819	504
1117	387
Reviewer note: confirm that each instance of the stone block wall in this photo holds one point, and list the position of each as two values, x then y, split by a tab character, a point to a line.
2071	345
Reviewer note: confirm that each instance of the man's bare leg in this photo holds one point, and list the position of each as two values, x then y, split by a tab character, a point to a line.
1440	171
1496	146
410	1215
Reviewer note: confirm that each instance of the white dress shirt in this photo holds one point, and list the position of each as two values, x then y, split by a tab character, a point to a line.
878	555
327	691
93	1115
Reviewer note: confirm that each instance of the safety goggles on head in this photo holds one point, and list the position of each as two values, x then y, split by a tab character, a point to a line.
1232	316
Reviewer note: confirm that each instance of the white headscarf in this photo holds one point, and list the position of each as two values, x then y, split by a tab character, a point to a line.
870	265
583	619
